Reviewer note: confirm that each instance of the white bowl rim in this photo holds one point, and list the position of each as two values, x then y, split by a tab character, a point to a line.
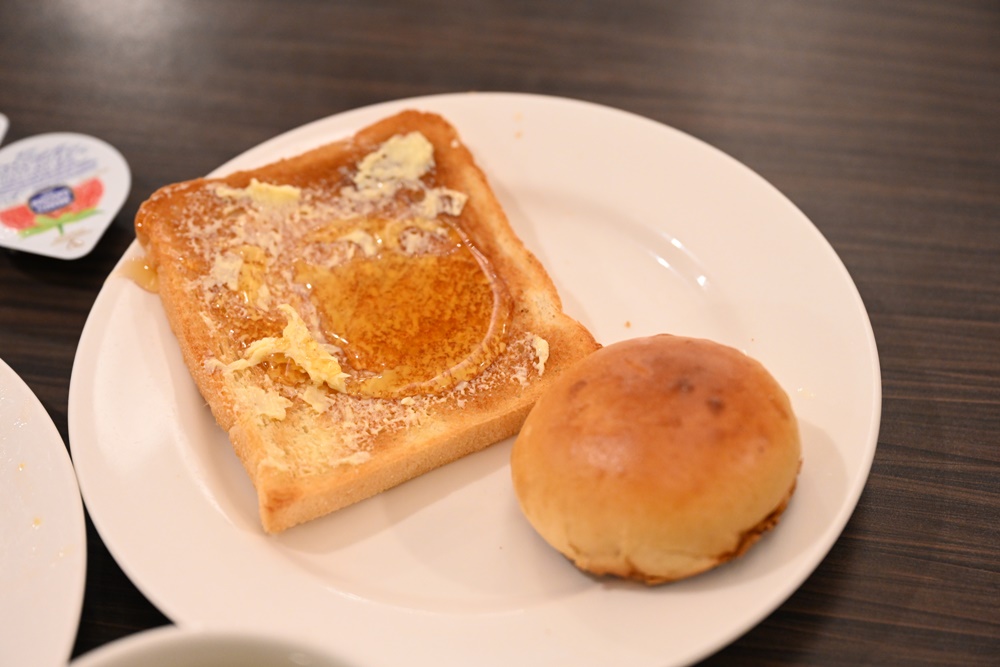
146	642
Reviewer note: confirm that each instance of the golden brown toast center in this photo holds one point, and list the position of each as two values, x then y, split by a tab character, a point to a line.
417	312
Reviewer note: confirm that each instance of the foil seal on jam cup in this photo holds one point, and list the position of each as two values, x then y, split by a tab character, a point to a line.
59	192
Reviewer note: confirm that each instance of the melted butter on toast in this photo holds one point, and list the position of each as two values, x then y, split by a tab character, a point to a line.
383	295
297	344
264	195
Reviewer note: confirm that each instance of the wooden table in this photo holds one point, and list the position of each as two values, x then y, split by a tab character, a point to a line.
880	120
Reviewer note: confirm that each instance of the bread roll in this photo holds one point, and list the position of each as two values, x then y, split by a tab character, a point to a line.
657	458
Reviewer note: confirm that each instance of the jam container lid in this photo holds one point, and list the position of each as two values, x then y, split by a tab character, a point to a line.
59	192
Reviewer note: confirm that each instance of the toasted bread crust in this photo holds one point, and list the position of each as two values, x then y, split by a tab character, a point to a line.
310	451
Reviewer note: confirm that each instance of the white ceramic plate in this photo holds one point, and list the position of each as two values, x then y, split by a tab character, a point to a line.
43	539
644	230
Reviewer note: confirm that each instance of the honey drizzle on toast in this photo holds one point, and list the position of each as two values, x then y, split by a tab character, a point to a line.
381	273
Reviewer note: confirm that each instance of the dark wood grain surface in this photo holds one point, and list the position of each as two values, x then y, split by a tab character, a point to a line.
880	120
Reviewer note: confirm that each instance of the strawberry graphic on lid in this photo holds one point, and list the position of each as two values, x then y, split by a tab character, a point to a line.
87	195
54	207
19	217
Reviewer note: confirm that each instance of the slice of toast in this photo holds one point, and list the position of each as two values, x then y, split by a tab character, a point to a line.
357	315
